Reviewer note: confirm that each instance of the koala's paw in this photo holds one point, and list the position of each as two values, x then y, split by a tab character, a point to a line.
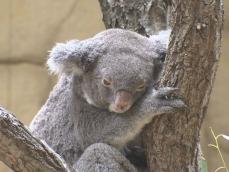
168	100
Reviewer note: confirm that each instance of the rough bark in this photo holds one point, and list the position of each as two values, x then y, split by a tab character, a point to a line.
191	63
20	151
142	16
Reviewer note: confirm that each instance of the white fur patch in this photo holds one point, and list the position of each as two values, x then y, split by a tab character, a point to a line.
162	37
58	68
88	99
53	67
60	58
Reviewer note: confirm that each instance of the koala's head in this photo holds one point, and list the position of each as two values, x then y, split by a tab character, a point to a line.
115	67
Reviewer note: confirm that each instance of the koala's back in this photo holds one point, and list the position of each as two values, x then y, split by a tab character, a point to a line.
54	122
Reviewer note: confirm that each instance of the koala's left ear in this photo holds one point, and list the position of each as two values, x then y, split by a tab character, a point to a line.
74	56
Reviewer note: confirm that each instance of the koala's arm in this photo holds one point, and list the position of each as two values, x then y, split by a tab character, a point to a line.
118	129
154	102
158	101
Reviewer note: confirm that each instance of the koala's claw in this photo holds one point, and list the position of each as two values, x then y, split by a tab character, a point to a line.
168	98
173	106
165	92
179	104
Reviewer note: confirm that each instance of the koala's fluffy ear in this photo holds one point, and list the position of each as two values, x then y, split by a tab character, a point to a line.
74	56
160	42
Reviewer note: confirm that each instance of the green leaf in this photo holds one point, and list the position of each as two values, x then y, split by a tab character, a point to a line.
203	166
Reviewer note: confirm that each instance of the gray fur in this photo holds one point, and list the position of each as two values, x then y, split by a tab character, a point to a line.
105	158
76	114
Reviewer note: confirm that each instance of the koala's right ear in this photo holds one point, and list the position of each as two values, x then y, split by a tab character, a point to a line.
74	57
160	42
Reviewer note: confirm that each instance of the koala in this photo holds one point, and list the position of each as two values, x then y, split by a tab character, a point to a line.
104	96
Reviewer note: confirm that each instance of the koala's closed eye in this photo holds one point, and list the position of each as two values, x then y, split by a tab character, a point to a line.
141	87
106	82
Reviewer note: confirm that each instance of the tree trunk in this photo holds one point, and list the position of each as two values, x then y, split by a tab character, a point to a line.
172	141
142	16
20	151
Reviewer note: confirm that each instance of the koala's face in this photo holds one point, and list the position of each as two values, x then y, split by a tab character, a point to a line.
116	66
117	83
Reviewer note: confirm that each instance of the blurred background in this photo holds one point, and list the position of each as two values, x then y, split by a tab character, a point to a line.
29	29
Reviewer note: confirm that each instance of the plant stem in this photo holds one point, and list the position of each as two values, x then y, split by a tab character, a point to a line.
219	151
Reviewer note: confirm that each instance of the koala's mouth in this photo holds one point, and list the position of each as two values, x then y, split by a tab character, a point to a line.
123	102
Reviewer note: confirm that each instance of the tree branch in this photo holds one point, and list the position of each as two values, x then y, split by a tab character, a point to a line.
20	151
191	63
